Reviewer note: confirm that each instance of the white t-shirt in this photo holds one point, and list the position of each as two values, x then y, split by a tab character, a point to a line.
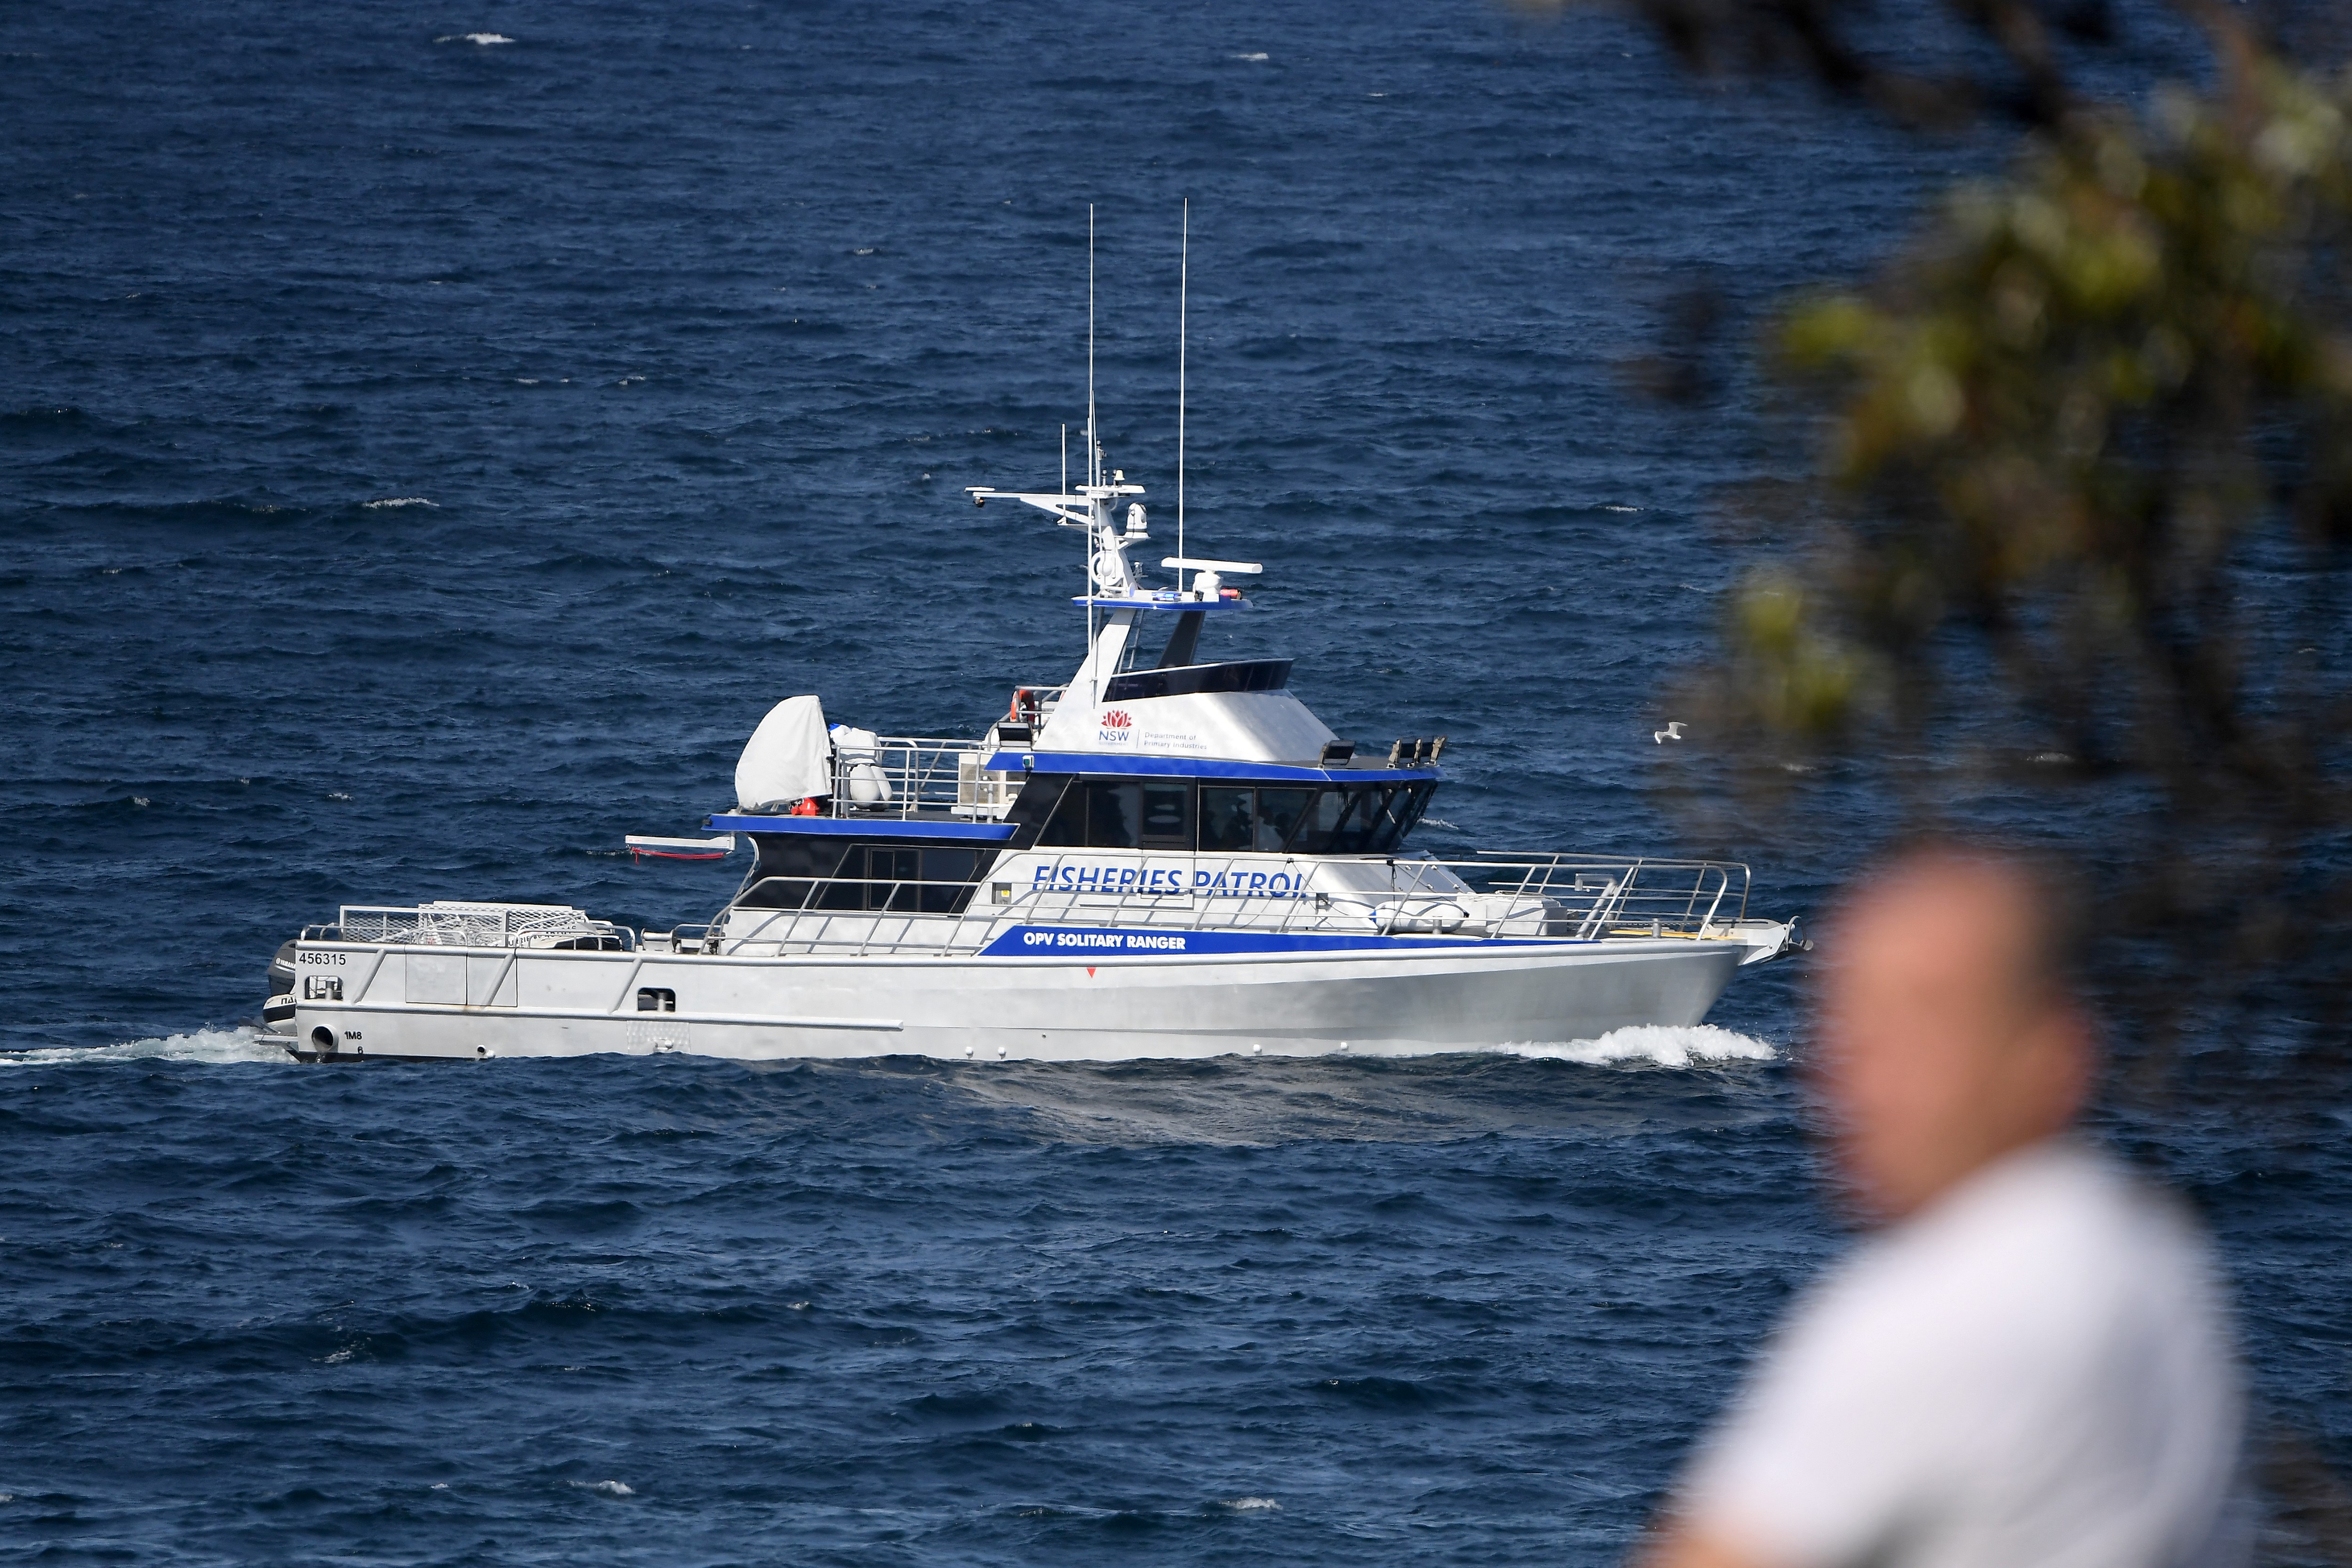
2034	1370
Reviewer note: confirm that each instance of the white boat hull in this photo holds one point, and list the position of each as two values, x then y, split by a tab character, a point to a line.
1163	857
1401	998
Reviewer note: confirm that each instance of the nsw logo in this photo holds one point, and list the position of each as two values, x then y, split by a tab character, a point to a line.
1117	726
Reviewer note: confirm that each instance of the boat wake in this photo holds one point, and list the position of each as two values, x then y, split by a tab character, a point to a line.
1654	1045
241	1045
1659	1045
1267	1101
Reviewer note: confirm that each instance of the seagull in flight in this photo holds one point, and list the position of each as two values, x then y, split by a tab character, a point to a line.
1673	731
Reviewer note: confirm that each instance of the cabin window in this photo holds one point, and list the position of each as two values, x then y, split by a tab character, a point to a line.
1395	816
1339	819
1419	804
947	866
830	875
1226	815
1334	819
1168	816
1346	806
1279	812
1066	828
1360	825
1388	819
845	888
887	872
1034	806
656	999
1322	822
1115	815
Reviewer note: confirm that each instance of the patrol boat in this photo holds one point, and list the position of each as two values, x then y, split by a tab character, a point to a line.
1159	857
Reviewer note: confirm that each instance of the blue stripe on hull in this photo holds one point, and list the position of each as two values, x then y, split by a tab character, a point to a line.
1076	941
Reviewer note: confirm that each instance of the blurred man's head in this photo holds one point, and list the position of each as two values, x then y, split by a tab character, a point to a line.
1949	1036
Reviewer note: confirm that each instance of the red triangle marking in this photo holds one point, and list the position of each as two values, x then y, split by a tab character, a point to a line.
1090	970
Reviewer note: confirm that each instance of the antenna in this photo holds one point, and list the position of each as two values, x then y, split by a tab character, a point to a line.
1094	445
1183	305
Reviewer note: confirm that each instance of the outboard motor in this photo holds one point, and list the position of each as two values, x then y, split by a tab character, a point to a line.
278	1011
281	972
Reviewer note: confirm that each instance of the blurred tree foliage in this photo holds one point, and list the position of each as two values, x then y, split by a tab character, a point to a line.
2076	558
2086	498
2076	555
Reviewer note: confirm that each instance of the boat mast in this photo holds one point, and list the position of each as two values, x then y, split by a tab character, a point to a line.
1094	445
1184	301
1094	441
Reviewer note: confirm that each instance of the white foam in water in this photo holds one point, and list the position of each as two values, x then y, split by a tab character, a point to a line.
610	1488
400	500
1249	1504
1661	1045
203	1046
474	39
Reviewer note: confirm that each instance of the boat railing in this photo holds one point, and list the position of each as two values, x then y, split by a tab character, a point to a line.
1621	896
1579	898
901	775
477	925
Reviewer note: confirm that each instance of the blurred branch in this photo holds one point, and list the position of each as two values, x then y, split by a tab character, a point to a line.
1817	38
2018	62
2082	437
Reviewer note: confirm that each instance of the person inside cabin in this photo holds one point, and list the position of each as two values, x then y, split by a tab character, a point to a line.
2028	1362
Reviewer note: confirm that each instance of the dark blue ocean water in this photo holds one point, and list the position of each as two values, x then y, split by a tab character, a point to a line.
423	459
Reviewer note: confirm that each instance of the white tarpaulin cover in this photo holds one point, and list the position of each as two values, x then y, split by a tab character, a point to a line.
858	748
788	758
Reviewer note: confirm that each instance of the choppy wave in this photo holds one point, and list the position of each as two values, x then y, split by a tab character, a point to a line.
400	501
239	1045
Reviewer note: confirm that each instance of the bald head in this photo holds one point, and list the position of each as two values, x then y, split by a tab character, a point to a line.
1947	1037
